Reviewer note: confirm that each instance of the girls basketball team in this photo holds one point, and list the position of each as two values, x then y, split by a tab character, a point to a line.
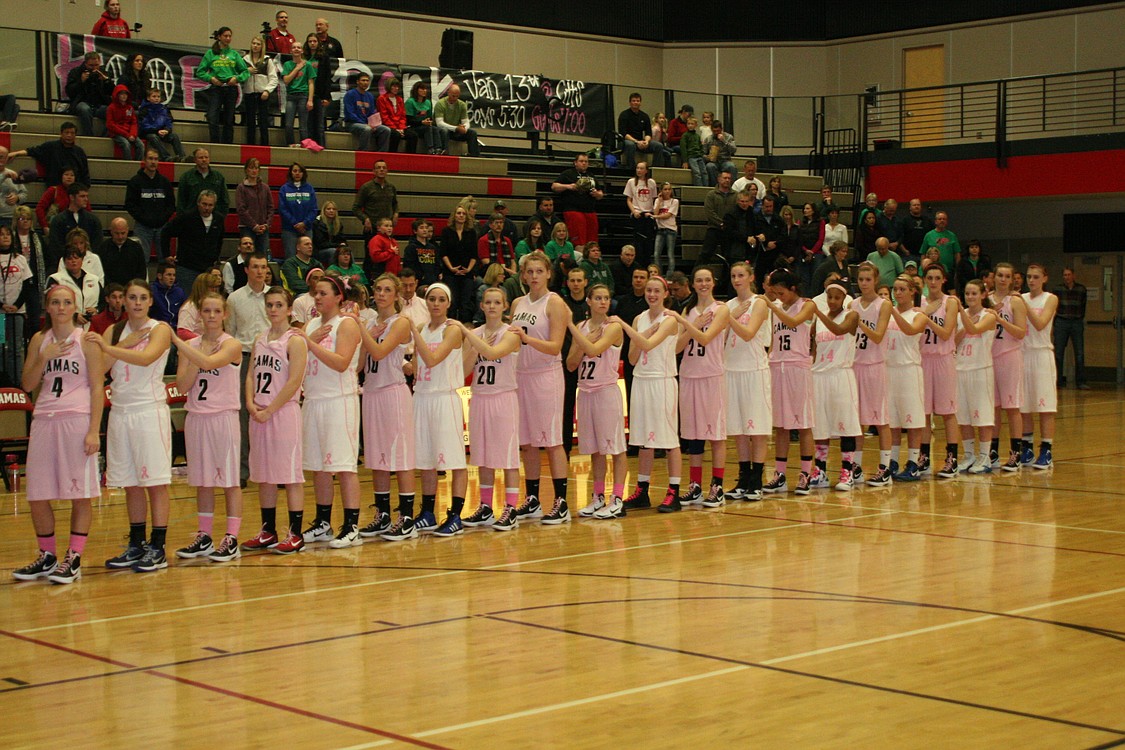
888	360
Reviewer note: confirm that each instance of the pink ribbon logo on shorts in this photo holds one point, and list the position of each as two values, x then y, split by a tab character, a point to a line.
328	459
652	437
749	424
74	485
441	459
218	474
383	459
144	472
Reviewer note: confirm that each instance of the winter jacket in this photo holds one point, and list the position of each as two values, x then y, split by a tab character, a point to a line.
154	117
296	205
254	204
393	111
358	106
95	91
121	119
259	80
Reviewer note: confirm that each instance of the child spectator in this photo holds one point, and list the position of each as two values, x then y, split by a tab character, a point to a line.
494	247
382	251
121	124
665	209
421	254
691	152
156	127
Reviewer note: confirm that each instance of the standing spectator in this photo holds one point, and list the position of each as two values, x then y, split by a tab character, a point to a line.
76	216
359	105
319	94
623	266
12	193
510	231
717	204
260	83
676	129
865	235
891	225
296	203
167	297
810	234
113	311
887	261
691	152
253	201
383	255
91	262
635	128
578	196
121	256
748	178
459	261
246	321
452	115
420	118
771	237
1070	324
597	270
279	41
199	235
150	201
54	199
155	126
17	286
719	151
916	226
640	193
376	199
225	70
705	121
33	247
295	270
835	265
111	23
945	241
89	90
775	191
665	209
421	254
835	232
298	75
202	178
328	232
330	50
55	156
661	151
135	77
972	265
740	229
234	270
121	124
393	111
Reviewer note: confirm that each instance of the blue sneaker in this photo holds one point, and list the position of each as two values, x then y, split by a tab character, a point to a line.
450	527
1027	457
909	474
894	467
1044	460
425	523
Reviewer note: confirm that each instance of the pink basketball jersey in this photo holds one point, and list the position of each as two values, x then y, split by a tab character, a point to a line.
214	390
596	373
270	364
932	344
1004	341
381	373
494	375
532	317
791	345
867	352
66	384
702	361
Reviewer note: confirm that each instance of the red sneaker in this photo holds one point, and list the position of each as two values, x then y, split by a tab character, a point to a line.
264	540
294	543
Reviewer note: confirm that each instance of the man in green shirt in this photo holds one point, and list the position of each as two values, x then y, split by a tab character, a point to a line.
886	260
945	241
199	179
296	269
452	114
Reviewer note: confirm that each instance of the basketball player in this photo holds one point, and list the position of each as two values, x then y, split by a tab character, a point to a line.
939	374
1007	360
1039	391
905	382
871	372
976	330
834	387
749	409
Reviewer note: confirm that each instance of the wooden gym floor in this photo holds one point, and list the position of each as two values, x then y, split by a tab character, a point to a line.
978	612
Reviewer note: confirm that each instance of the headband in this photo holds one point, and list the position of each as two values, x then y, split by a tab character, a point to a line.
311	272
838	285
50	291
443	287
661	279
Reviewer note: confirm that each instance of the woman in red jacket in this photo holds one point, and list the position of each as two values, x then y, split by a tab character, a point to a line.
393	111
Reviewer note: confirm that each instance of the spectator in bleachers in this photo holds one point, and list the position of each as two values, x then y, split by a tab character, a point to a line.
346	267
203	177
121	124
135	78
295	270
86	286
234	270
887	261
91	262
870	205
545	213
623	266
298	74
111	23
459	261
640	194
661	151
319	94
749	177
705	121
253	201
155	126
225	70
452	115
56	155
260	83
330	50
75	216
413	306
17	286
635	128
683	298
775	191
719	151
421	254
890	225
12	193
54	199
189	323
534	237
740	230
835	232
915	228
945	241
676	129
359	105
297	205
393	112
559	245
810	233
836	264
376	199
1070	324
246	320
149	199
789	247
420	118
825	205
279	41
304	305
470	205
382	252
167	297
9	111
89	90
771	237
31	244
597	270
972	264
328	232
510	231
691	151
865	235
495	247
199	235
665	209
121	256
717	204
113	311
578	196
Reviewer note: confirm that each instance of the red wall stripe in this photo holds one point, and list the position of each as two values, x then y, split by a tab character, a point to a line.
261	153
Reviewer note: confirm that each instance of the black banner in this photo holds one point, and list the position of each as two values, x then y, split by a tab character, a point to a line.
499	101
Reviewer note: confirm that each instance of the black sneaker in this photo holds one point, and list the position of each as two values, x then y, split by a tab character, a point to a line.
154	559
201	546
693	496
482	516
127	558
639	500
43	566
530	508
559	514
402	530
381	525
226	551
508	520
715	498
671	503
950	469
69	571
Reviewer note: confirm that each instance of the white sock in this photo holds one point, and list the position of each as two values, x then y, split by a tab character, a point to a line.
912	454
884	459
970	447
857	460
895	453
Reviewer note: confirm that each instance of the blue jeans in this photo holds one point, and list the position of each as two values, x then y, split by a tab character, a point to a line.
86	114
261	241
185	277
149	239
698	167
158	143
665	241
295	109
470	137
714	168
256	118
221	101
131	149
435	138
1074	330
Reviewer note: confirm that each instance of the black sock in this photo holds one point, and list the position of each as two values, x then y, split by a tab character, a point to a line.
951	449
994	446
532	487
560	487
847	465
744	473
926	450
1045	445
296	517
269	519
1014	445
717	480
428	503
822	465
324	514
1025	444
406	504
158	535
675	488
383	502
756	470
457	506
351	517
137	534
642	485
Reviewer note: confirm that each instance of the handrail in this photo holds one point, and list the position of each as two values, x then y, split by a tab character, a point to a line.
994	81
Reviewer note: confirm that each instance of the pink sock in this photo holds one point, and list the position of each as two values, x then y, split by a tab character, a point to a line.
599	487
821	452
47	544
486	495
512	497
847	456
207	523
234	523
77	543
806	466
779	466
695	474
618	490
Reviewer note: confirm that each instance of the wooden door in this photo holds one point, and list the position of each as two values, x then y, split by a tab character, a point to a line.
923	112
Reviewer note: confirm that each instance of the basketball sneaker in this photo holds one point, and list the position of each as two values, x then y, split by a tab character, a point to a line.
715	497
201	546
425	523
639	500
615	509
318	532
881	479
126	559
910	473
1013	462
264	540
777	485
154	559
451	526
1045	459
803	483
693	496
348	537
857	476
924	469
994	459
402	530
509	519
379	526
292	544
559	513
1027	456
950	468
530	508
847	482
819	480
226	551
482	516
69	571
894	467
592	508
43	566
671	503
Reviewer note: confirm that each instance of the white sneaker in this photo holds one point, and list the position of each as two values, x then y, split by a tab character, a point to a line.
615	509
348	537
591	510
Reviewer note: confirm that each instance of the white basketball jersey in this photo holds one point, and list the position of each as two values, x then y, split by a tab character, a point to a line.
746	356
975	350
659	362
448	375
321	381
834	351
1036	339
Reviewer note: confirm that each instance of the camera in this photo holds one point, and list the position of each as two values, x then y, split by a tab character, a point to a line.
266	28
